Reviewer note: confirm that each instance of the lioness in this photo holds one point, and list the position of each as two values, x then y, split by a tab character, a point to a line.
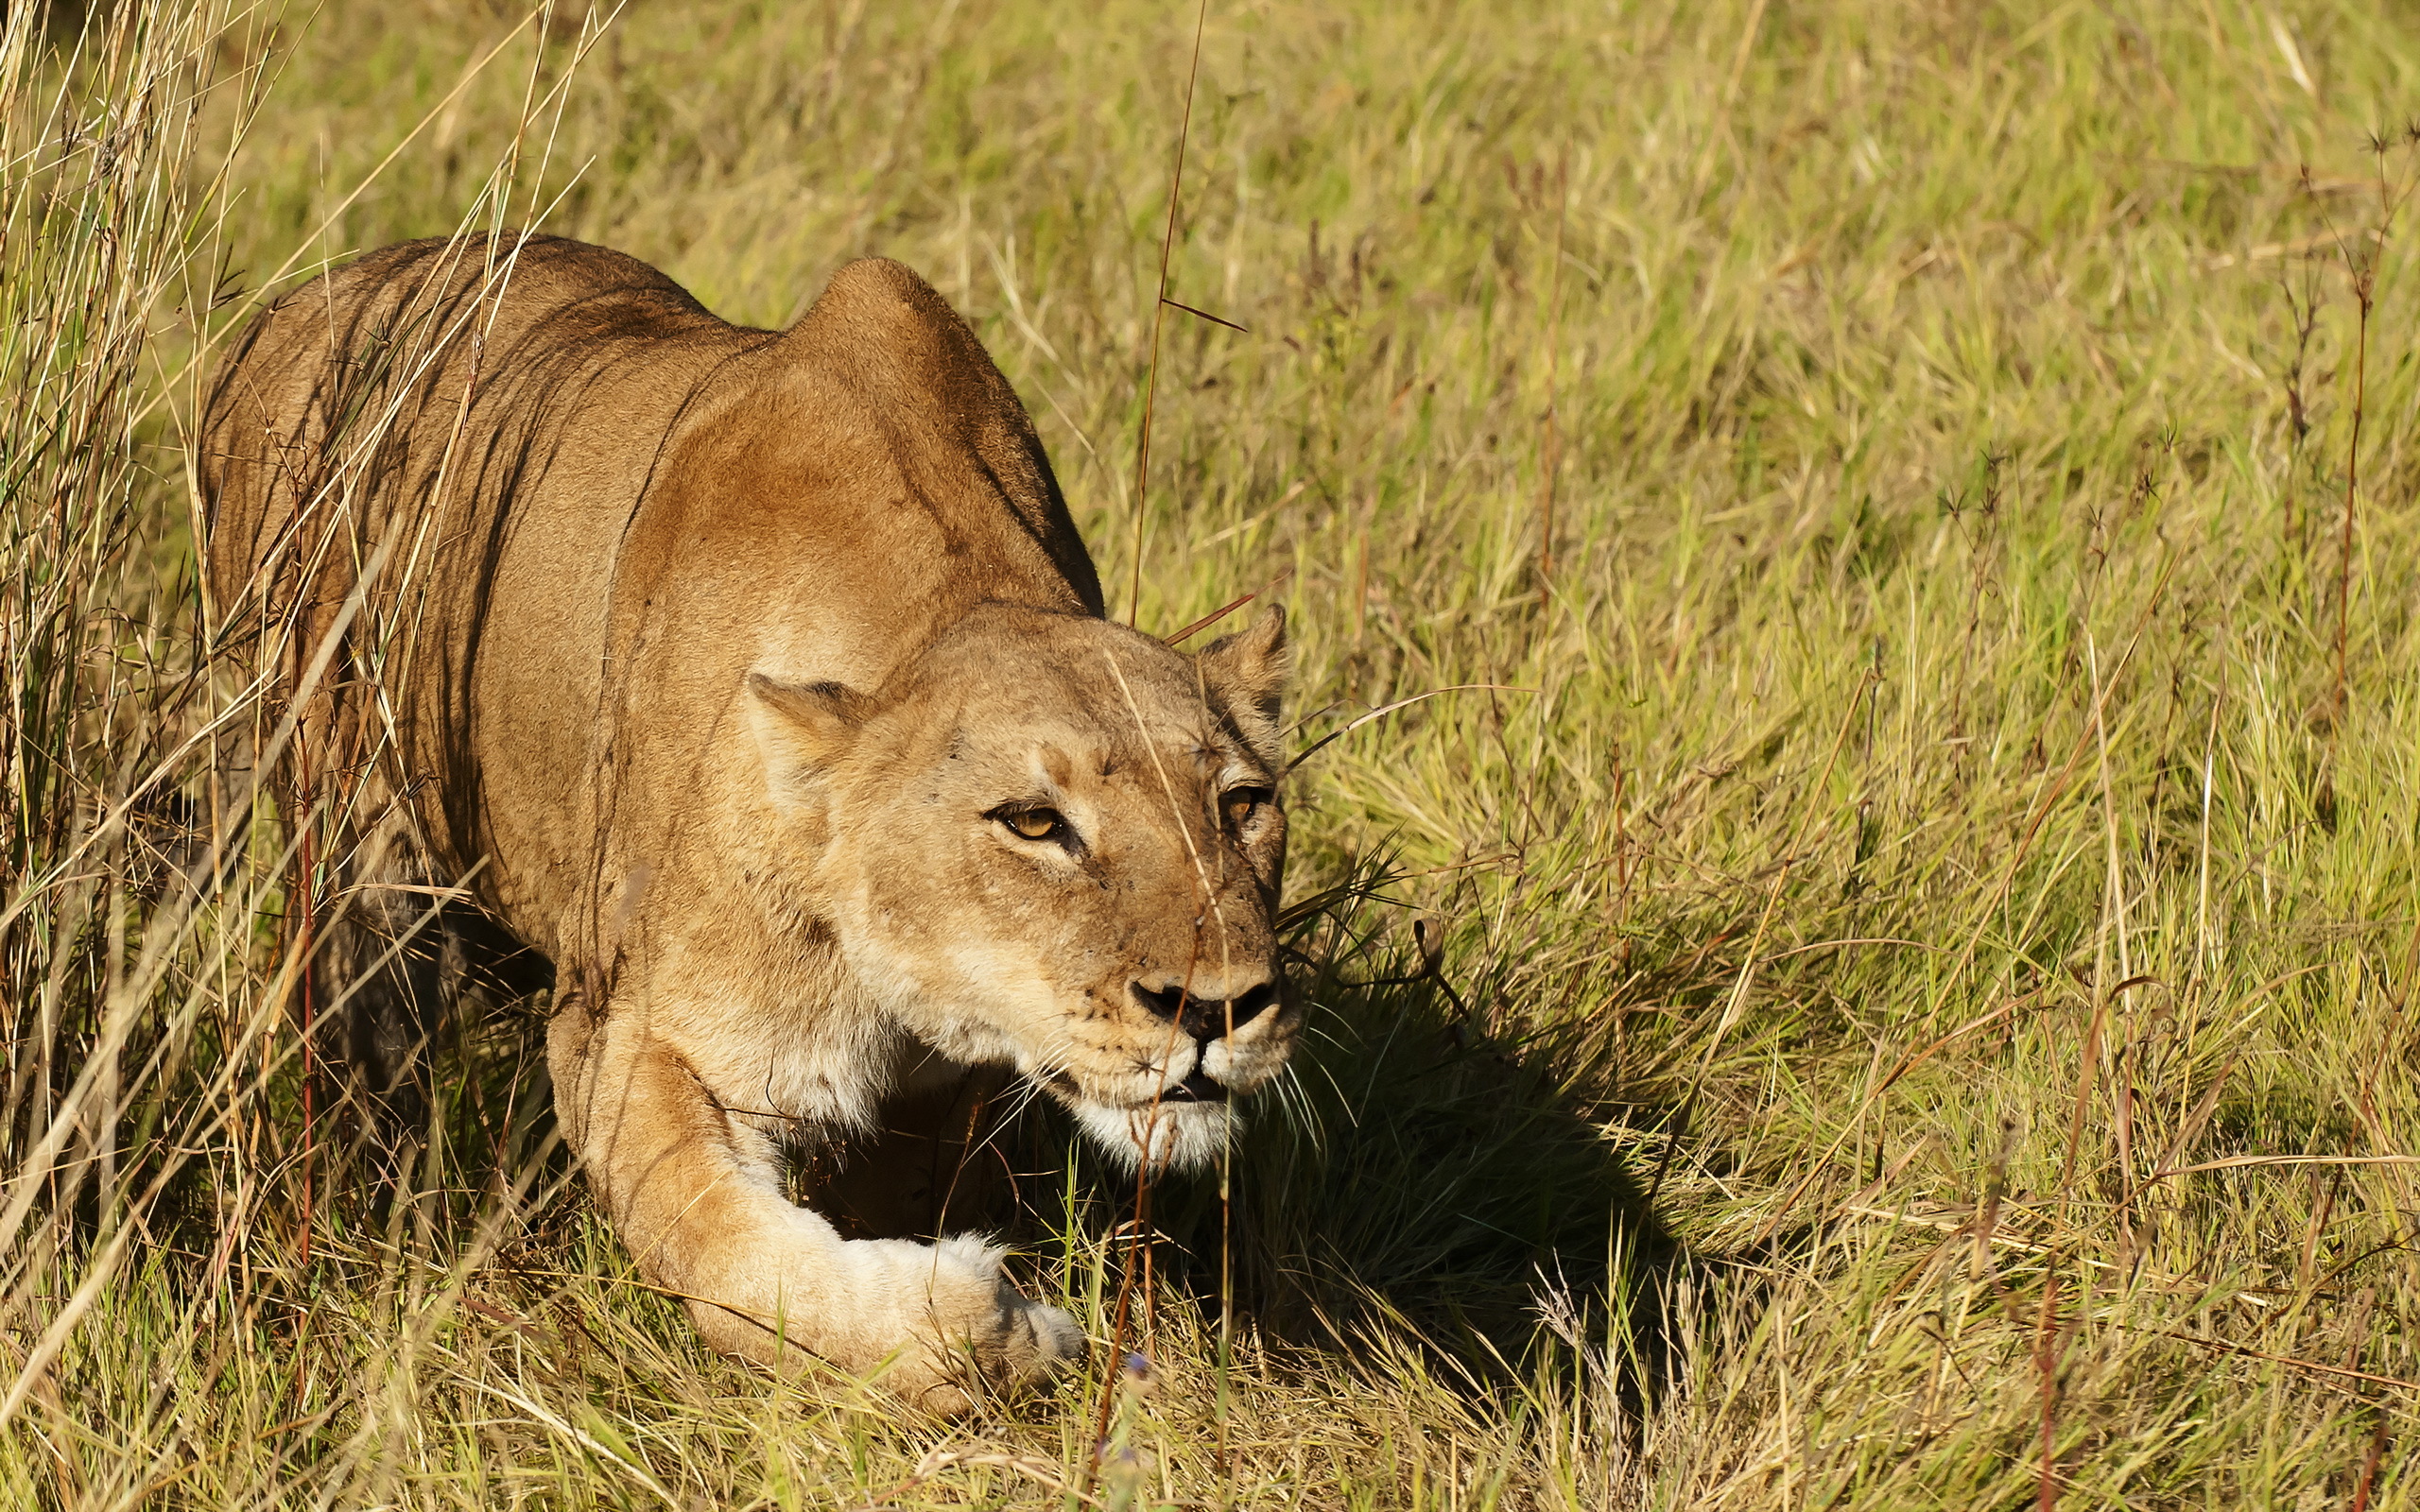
759	682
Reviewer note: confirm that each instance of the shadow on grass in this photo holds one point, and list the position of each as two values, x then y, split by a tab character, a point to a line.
1410	1178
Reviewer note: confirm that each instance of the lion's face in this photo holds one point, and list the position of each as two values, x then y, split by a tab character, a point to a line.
1054	842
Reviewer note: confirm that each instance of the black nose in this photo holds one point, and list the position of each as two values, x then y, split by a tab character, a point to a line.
1206	1018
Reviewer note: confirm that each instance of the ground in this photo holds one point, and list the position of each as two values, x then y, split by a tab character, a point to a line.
1906	513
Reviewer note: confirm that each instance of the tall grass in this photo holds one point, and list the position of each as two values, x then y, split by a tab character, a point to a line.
107	969
1917	928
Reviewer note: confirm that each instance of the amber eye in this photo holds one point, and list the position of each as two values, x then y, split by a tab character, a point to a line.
1239	804
1034	824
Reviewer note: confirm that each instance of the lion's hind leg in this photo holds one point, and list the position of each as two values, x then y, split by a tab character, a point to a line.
389	961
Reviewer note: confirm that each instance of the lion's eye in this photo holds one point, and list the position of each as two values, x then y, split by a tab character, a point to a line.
1240	804
1034	824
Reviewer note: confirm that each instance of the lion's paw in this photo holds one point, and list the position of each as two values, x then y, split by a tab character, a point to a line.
989	1336
1043	1340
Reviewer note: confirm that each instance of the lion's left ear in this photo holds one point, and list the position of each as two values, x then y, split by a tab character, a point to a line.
800	730
1245	674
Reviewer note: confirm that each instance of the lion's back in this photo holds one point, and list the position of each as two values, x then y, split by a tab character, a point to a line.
420	461
363	371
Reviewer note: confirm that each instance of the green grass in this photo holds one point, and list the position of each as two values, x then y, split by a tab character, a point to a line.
1910	840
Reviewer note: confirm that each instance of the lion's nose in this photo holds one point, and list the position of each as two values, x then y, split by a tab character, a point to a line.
1207	1019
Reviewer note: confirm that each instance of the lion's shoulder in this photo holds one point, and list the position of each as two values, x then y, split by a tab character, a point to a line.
910	368
898	342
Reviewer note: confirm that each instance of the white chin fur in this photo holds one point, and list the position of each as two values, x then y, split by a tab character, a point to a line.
1185	1136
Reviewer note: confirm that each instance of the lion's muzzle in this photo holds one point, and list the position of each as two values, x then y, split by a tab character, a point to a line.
1205	1021
1206	1018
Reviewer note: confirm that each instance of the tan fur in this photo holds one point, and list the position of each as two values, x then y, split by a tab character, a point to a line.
708	660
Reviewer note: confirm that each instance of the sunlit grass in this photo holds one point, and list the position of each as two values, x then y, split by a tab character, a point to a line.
1908	881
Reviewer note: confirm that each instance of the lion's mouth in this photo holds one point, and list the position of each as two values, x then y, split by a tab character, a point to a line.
1181	1126
1199	1087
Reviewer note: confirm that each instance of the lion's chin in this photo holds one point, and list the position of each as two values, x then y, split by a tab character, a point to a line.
1183	1136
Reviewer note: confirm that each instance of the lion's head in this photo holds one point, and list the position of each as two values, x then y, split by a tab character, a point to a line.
1052	841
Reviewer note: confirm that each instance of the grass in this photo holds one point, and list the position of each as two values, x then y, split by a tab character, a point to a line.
1927	926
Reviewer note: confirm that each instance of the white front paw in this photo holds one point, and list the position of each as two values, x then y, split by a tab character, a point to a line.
985	1329
1039	1340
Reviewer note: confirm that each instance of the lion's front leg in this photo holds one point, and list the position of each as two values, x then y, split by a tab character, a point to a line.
697	1197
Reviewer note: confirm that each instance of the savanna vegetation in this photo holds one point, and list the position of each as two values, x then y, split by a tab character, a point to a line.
1881	981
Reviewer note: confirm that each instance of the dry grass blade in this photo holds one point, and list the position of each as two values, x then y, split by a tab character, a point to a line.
1400	704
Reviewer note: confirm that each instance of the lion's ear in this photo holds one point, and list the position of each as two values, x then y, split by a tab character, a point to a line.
801	729
1246	675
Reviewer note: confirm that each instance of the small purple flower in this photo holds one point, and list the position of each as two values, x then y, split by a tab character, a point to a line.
1138	1377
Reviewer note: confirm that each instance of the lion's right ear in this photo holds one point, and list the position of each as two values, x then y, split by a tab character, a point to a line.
1246	673
801	729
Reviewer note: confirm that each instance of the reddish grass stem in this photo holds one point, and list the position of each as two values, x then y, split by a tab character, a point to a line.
306	877
2370	1466
2363	290
1552	460
1134	1243
2046	1358
1212	618
1159	319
